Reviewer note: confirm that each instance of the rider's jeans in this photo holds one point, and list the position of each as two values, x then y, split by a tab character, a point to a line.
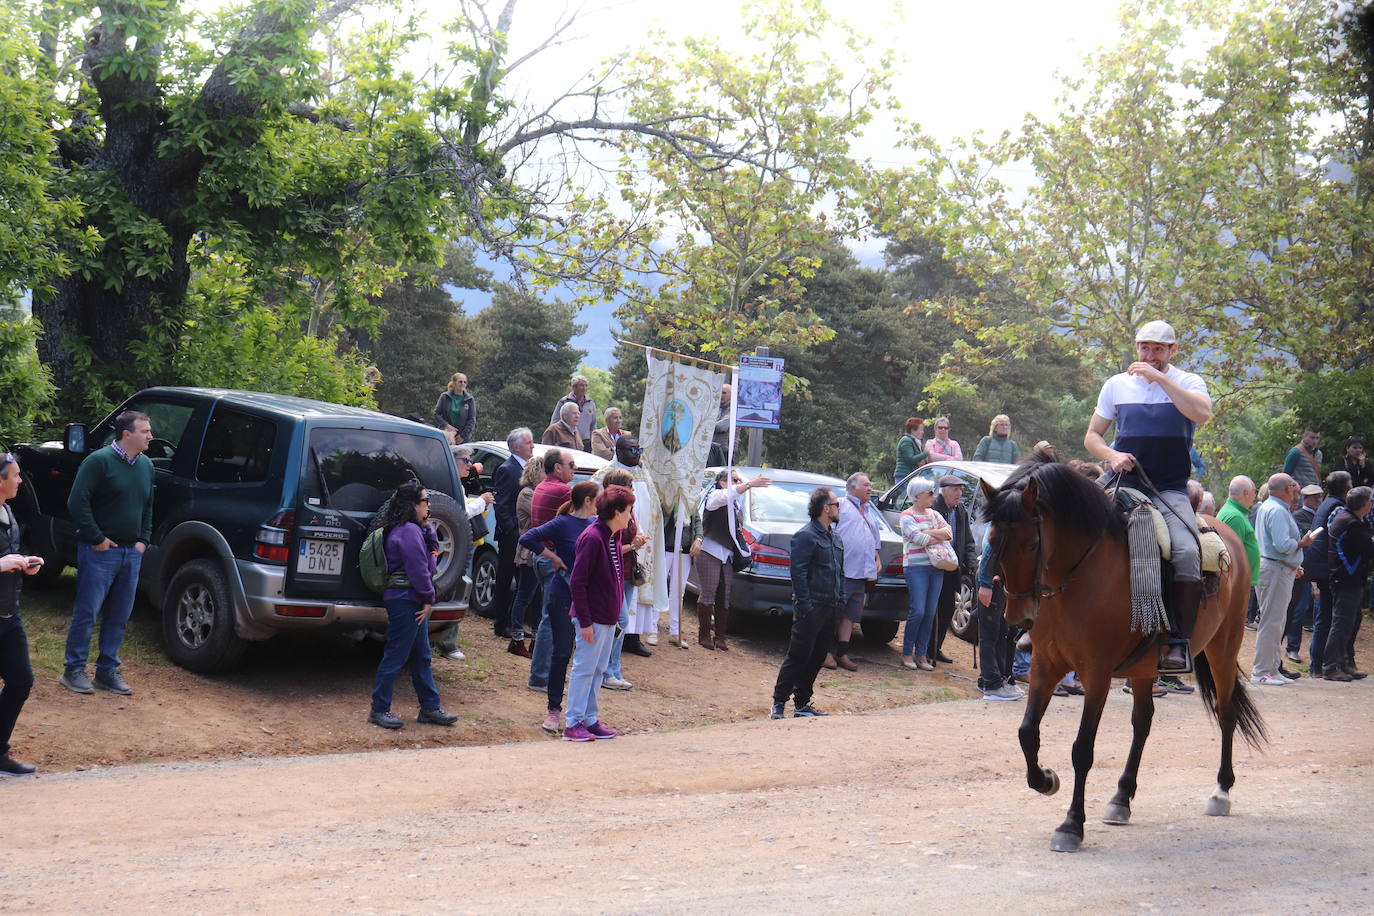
1184	554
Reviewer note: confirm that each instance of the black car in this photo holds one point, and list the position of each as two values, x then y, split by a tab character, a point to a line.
260	505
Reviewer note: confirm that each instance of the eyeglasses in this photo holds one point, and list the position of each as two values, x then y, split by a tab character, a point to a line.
942	427
635	451
833	503
465	460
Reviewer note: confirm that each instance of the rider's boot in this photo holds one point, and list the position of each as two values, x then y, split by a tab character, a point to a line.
1187	597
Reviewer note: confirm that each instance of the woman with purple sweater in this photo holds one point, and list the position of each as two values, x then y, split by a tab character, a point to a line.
410	549
597	587
562	532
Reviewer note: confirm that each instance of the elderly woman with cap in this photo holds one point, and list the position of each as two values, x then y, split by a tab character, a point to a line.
921	526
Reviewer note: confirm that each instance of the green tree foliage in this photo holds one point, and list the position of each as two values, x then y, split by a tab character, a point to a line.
730	233
529	359
1183	177
424	337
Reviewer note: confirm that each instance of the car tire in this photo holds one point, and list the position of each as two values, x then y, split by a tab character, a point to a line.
42	541
451	526
198	619
964	623
482	601
881	632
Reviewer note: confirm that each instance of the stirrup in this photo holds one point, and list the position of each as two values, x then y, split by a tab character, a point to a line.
1165	645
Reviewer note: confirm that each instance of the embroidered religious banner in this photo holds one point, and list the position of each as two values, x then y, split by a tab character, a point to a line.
681	406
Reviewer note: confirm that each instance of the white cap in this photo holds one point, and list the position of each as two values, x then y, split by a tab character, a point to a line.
1156	332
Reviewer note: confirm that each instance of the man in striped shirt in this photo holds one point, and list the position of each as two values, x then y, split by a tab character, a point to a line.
1156	407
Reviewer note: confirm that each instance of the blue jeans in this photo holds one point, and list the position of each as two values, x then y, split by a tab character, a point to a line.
564	631
542	655
613	666
105	585
407	643
1299	614
588	667
1321	624
526	588
923	584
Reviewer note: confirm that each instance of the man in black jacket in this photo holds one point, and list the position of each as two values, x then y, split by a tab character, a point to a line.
506	480
817	596
949	504
1349	557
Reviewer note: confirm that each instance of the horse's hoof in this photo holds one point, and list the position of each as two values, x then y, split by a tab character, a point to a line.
1218	806
1051	781
1117	815
1065	842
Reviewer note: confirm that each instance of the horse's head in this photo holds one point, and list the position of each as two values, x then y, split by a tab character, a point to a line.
1042	505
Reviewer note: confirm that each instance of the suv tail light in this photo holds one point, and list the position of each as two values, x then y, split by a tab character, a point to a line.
271	544
894	568
762	553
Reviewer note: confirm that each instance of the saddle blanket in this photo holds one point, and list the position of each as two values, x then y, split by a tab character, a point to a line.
1215	557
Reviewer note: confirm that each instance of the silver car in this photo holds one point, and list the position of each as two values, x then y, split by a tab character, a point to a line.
769	517
981	479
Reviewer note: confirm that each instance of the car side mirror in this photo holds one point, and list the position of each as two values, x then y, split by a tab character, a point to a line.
74	440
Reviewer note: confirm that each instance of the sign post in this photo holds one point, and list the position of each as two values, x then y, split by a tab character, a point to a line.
758	398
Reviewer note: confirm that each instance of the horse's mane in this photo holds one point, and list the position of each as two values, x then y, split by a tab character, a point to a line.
1067	496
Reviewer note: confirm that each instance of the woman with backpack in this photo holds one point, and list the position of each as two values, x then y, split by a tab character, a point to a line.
410	547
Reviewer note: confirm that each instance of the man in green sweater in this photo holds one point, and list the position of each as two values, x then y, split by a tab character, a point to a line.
1240	496
111	505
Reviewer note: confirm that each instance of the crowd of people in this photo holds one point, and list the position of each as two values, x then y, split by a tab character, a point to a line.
584	569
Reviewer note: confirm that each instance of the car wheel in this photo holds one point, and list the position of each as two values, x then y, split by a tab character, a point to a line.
483	598
454	534
43	542
880	631
964	624
198	619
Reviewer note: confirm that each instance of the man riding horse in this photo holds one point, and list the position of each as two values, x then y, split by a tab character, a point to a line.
1156	407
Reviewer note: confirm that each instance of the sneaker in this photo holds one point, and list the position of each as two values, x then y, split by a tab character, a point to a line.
578	732
385	719
113	683
457	655
538	686
1336	674
552	722
76	680
1061	691
776	711
807	712
1073	688
651	639
1005	692
1293	656
616	683
1270	680
1172	684
1251	625
1156	690
601	732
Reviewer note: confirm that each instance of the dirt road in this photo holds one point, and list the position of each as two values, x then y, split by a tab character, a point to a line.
922	806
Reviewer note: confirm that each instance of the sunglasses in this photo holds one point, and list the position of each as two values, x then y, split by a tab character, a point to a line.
465	460
635	451
835	503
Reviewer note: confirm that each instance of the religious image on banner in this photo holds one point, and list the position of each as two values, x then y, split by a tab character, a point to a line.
681	404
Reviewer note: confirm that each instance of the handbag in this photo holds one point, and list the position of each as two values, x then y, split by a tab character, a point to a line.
942	555
640	576
739	562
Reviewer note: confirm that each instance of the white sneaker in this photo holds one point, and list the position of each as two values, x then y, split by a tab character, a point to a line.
457	655
616	683
651	639
1270	680
1005	692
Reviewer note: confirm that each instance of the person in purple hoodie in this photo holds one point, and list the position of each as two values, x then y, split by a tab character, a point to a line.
410	550
597	586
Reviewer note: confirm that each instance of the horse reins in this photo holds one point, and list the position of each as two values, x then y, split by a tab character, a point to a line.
1038	590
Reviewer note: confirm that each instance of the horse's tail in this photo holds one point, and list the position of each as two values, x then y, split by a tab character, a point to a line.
1248	719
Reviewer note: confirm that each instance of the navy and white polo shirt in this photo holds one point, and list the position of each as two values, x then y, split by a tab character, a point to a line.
1149	426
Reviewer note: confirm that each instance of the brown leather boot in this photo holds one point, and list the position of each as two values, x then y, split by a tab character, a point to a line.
722	623
704	615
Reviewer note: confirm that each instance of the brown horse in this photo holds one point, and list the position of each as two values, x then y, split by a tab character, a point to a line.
1062	550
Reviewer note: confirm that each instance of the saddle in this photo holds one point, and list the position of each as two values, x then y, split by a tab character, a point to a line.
1151	553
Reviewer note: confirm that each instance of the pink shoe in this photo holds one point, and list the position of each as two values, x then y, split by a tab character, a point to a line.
601	732
578	732
552	723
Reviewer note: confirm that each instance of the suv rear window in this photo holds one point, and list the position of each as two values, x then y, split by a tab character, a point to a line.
361	467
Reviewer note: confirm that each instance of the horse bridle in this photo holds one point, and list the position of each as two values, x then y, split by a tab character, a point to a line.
1038	590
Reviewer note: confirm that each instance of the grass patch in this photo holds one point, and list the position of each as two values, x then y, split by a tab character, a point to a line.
48	611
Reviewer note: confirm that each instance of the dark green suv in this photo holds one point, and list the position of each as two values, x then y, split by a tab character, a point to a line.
260	505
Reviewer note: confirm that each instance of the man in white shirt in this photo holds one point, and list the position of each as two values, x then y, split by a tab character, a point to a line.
859	530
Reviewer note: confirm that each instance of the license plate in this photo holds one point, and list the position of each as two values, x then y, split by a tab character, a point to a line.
320	558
